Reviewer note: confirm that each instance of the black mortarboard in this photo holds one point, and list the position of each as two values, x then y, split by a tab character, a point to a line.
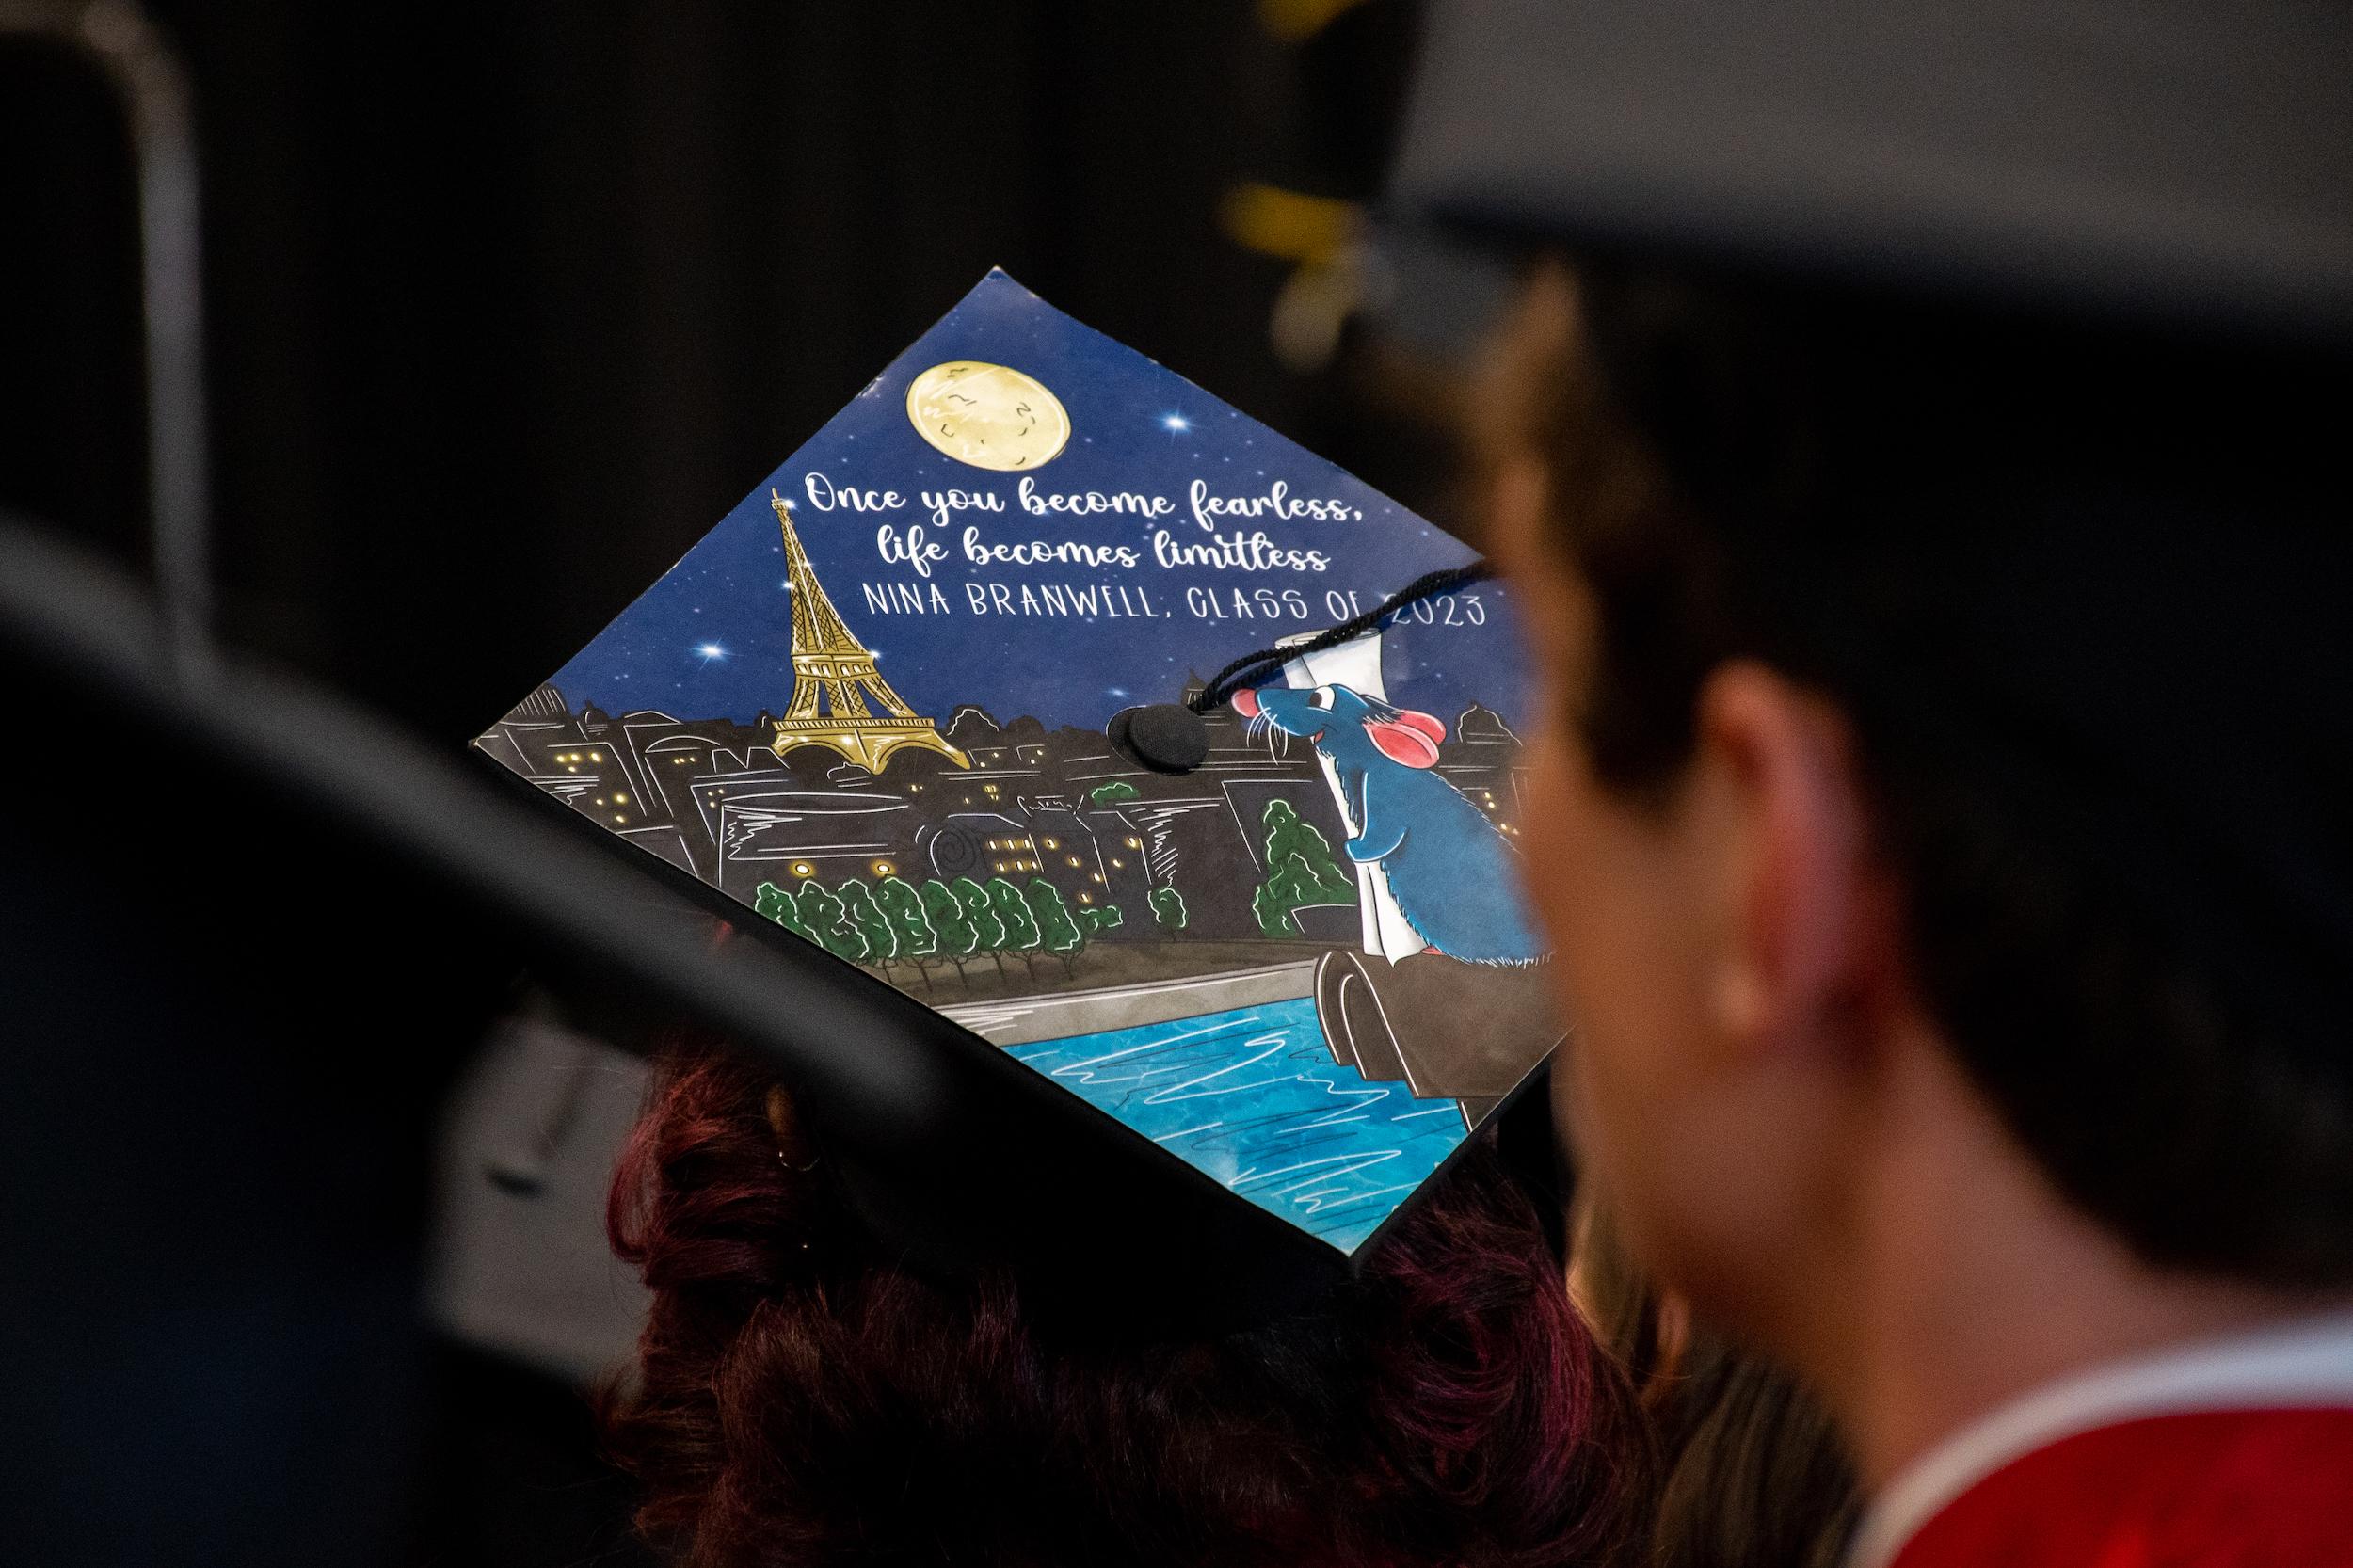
2174	159
247	933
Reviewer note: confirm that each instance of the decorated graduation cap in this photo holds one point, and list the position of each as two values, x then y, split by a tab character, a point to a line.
1063	725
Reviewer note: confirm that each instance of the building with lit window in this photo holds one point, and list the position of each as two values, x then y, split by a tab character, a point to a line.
713	798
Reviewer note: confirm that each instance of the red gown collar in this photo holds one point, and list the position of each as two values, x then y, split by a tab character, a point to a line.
2204	1489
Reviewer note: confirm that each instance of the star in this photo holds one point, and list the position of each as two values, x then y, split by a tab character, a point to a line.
1175	424
712	652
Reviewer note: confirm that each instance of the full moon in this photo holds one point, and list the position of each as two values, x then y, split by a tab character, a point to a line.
989	416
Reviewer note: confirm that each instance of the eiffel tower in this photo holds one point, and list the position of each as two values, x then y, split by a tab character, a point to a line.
834	677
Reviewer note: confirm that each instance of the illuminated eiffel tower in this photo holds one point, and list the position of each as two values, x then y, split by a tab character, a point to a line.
834	678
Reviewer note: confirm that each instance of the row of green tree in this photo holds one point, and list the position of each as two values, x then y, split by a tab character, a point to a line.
955	923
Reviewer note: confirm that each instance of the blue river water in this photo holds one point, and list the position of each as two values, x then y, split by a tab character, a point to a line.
1252	1097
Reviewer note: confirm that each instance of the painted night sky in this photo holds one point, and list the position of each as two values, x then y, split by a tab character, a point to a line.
713	638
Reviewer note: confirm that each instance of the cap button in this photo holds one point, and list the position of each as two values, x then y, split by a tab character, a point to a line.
1166	737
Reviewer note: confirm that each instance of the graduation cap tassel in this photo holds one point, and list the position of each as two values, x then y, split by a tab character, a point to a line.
1251	668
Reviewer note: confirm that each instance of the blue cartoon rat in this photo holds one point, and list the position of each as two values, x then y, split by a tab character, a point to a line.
1452	874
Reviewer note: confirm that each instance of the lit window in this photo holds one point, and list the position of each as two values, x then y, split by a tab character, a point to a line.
802	868
1071	860
1118	861
1053	844
1098	876
619	799
883	868
596	756
617	817
1135	843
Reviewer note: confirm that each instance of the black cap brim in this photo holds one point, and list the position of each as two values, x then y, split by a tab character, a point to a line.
2173	160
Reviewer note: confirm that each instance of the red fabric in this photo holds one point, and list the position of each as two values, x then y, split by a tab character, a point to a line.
2220	1489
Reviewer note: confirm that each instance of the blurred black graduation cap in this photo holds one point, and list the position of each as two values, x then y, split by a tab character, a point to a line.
2170	160
247	933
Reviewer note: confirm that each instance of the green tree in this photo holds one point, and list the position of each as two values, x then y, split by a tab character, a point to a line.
951	926
902	906
1007	903
1118	789
774	902
989	931
1057	932
1103	916
1302	871
871	924
828	921
1168	908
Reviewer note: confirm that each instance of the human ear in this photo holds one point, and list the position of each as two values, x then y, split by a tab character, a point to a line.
1795	888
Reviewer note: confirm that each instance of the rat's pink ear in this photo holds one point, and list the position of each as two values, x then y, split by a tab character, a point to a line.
1410	738
1428	724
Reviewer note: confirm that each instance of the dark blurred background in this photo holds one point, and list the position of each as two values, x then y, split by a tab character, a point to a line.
508	303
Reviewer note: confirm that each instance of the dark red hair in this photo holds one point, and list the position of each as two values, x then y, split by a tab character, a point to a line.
800	1400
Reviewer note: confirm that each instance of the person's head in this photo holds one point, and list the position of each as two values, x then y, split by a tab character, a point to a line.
801	1396
1947	782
